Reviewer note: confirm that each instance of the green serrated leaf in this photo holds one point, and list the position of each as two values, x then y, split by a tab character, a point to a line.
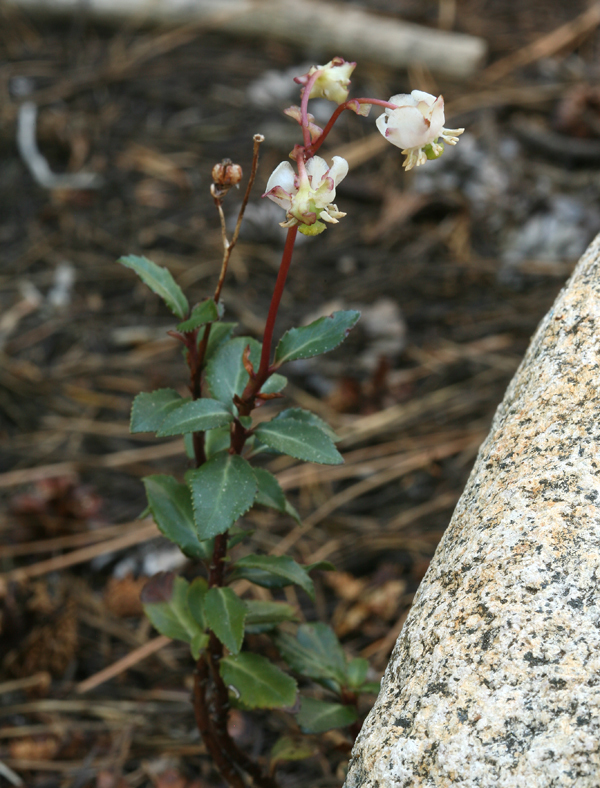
223	489
288	749
314	652
225	613
196	416
273	571
324	566
259	683
160	281
274	384
318	716
149	411
164	598
203	313
371	687
170	504
188	445
219	334
225	373
300	440
356	672
198	644
307	417
237	535
270	494
323	335
264	616
217	440
196	593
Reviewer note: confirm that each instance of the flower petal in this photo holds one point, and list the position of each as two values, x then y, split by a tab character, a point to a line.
283	175
316	167
338	170
437	117
403	100
420	95
405	127
279	195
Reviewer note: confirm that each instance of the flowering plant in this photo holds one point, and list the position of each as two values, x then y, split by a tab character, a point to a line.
229	378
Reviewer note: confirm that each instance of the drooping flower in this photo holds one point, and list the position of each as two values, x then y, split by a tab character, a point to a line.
333	81
416	126
307	196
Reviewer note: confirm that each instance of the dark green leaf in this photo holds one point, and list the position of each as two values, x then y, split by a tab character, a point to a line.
264	616
324	566
303	441
225	373
273	571
223	489
170	504
217	440
197	416
371	686
160	281
323	335
198	644
314	652
356	672
270	494
196	593
188	444
258	682
307	417
274	384
225	613
288	749
219	334
237	535
150	410
318	716
206	312
164	598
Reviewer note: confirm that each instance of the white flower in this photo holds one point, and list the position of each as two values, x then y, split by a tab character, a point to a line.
333	81
308	196
416	126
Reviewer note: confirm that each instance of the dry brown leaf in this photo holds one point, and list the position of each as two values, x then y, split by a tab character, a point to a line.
122	596
30	749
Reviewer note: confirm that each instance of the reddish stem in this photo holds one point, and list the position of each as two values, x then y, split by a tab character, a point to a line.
286	259
312	149
304	106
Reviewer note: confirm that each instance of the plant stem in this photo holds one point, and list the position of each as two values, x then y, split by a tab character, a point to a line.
314	147
203	720
304	106
286	259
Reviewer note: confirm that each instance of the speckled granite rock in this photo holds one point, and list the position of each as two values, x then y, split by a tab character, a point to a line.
495	678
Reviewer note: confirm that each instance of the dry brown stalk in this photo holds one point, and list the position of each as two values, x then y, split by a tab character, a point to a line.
547	45
141	534
121	665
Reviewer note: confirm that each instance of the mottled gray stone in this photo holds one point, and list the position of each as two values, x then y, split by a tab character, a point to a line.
495	678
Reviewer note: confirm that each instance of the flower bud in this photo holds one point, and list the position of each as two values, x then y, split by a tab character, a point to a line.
332	82
226	174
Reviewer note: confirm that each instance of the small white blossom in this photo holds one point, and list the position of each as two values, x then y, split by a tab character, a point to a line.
307	198
417	126
332	84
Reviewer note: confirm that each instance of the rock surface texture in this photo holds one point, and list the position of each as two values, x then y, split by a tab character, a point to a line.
495	678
